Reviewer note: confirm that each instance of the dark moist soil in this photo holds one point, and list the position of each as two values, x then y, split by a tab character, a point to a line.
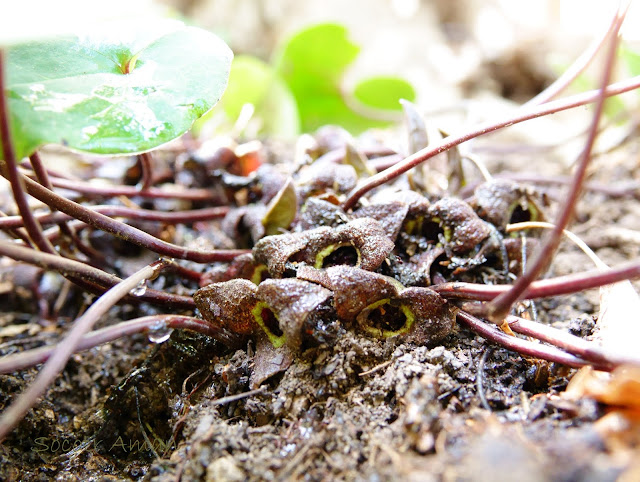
357	409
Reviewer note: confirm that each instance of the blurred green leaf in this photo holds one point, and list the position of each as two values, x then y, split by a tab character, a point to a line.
612	105
313	63
631	58
256	82
384	92
303	89
107	94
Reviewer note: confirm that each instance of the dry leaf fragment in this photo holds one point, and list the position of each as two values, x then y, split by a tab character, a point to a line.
361	242
292	301
268	361
620	388
417	129
620	391
353	157
282	210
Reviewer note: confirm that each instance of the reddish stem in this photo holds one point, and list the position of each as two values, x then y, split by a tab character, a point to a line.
63	350
338	155
29	358
89	190
525	347
88	277
126	232
586	350
43	178
498	309
379	164
452	141
205	214
16	232
561	285
580	64
10	171
146	166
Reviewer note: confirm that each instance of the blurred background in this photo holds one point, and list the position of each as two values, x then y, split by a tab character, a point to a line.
448	50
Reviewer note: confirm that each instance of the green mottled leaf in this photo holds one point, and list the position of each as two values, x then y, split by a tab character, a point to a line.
110	93
384	92
256	82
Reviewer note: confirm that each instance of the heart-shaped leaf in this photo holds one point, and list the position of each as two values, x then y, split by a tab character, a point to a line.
110	94
313	63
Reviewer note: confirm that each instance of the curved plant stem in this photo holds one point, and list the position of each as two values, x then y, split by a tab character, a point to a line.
580	64
10	171
43	178
587	350
88	277
124	231
570	235
146	166
191	216
500	307
17	232
525	347
338	155
561	285
89	190
452	141
29	358
64	266
58	359
39	170
379	164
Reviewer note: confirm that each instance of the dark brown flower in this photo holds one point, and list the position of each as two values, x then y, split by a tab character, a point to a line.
502	202
362	242
229	304
456	225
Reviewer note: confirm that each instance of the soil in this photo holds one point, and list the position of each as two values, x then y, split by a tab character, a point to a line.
358	408
352	408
